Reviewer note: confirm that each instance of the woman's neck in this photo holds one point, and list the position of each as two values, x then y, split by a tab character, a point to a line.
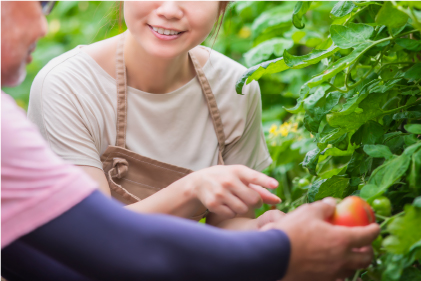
154	74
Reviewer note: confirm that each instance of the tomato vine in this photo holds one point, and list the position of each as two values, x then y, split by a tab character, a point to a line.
363	111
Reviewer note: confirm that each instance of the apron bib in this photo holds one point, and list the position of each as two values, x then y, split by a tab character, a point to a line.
133	177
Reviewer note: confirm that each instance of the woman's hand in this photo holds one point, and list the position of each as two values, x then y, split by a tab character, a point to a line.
270	216
229	191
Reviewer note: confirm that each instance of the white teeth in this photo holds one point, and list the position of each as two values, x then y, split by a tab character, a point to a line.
164	31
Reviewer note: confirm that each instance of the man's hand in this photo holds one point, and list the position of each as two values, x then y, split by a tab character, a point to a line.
322	251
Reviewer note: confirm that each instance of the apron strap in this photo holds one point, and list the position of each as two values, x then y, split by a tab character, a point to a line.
121	81
121	93
212	106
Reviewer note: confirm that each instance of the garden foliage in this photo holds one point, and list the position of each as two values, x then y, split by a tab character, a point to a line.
363	111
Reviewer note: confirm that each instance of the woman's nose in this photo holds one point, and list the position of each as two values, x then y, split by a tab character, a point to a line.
170	10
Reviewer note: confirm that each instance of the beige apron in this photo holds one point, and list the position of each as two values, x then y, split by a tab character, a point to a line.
133	177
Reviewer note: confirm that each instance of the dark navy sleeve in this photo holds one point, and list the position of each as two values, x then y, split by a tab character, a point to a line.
98	239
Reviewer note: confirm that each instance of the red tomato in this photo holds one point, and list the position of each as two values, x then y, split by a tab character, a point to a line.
353	211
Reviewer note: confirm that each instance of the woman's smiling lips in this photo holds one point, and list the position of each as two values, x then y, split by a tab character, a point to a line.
167	34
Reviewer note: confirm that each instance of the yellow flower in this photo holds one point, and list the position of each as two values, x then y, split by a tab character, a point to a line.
283	130
294	127
273	131
54	26
311	136
244	32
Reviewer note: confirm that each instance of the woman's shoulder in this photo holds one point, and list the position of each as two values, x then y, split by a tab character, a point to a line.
220	62
74	67
103	53
223	73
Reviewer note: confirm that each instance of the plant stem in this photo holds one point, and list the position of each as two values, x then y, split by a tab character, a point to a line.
399	62
356	275
356	13
381	217
402	107
337	89
387	219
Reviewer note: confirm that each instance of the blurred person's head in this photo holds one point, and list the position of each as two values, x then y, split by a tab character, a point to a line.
170	28
22	24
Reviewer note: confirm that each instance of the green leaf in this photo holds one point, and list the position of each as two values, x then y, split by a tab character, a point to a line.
390	16
338	66
334	151
350	36
414	73
378	150
409	44
352	103
387	174
359	164
257	71
417	202
310	160
405	231
413	128
318	104
299	11
332	172
416	4
369	191
414	177
275	18
370	111
313	57
383	88
341	9
407	115
304	92
265	50
369	133
333	187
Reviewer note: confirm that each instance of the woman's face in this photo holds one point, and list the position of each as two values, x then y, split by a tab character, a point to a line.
169	29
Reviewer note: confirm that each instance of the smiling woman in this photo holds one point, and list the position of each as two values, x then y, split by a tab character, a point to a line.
143	109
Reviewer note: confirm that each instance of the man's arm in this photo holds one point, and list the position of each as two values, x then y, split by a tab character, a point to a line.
100	240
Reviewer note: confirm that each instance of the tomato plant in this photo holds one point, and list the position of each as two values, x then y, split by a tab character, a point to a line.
382	206
302	183
362	109
353	211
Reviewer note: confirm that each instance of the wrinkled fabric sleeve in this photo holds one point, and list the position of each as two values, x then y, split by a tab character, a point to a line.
250	149
100	240
62	118
36	185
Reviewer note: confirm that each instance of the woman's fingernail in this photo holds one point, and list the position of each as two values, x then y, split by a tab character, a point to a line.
273	183
277	198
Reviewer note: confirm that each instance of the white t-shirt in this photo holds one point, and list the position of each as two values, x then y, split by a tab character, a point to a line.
73	102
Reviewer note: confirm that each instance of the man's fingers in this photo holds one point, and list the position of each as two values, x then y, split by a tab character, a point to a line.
357	260
248	176
322	209
360	236
266	195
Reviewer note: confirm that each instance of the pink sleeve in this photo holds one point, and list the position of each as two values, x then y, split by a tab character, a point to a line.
36	185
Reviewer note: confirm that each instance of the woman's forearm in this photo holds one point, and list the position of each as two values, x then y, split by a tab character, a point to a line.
177	199
244	222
